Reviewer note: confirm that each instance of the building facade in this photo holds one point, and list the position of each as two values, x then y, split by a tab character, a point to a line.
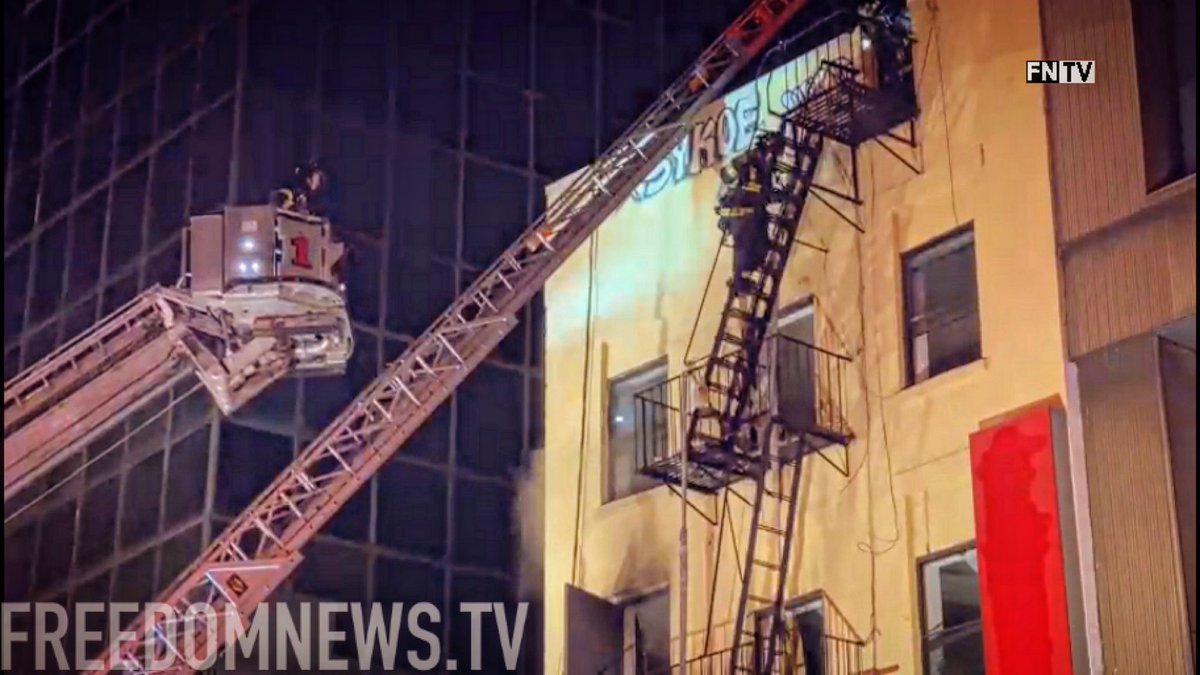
981	514
439	130
1123	163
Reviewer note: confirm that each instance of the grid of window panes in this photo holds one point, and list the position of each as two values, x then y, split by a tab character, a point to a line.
440	124
951	618
941	304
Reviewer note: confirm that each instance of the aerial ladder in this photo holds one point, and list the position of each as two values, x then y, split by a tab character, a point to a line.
258	300
261	548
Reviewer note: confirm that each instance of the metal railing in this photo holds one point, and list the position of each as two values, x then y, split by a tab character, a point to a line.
802	386
810	386
663	411
836	656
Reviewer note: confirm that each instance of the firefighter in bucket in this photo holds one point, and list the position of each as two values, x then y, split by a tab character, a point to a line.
306	191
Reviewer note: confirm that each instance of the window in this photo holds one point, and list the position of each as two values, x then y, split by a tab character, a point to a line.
794	363
646	623
941	305
801	648
623	431
1165	46
951	623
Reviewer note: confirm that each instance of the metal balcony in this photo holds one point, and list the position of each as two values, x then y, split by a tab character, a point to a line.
663	413
862	87
800	397
809	386
834	655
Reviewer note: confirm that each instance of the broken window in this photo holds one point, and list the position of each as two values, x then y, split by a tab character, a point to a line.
951	622
626	426
941	306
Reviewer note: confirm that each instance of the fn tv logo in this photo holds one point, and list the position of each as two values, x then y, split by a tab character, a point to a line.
1060	72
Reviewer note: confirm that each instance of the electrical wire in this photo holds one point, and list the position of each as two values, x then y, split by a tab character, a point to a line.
936	36
687	359
593	257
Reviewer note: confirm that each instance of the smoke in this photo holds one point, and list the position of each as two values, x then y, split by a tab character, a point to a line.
529	522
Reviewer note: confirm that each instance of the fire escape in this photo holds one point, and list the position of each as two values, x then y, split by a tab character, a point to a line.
760	402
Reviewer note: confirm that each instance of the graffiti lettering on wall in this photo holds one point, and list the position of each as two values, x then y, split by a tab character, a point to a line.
724	131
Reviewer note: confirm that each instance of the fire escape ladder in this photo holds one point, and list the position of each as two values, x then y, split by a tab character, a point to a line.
768	562
732	374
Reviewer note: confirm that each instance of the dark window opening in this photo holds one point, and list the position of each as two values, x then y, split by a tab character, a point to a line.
951	621
941	307
1165	45
797	383
800	648
623	476
646	625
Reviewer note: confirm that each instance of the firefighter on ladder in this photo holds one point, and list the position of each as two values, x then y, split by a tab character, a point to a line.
742	211
306	191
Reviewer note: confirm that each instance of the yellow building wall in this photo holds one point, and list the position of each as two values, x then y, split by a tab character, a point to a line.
909	493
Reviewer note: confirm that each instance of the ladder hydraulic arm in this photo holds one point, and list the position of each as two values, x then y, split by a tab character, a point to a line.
237	335
259	550
74	392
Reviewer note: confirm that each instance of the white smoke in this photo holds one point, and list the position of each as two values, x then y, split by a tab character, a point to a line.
529	522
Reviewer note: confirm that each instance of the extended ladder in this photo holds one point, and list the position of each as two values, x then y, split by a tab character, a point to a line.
765	612
83	387
732	370
259	550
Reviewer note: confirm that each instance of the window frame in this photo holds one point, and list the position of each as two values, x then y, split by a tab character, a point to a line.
627	604
922	600
798	602
632	374
1162	136
906	259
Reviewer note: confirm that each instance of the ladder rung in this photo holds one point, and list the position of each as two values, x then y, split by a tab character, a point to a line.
761	600
733	339
767	564
717	386
772	530
778	495
743	314
731	362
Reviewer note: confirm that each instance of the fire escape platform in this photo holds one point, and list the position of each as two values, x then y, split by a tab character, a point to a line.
846	110
708	472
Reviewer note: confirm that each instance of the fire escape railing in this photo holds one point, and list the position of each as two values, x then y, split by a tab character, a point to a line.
663	411
810	391
838	656
801	387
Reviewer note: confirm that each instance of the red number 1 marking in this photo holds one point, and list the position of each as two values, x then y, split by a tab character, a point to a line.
300	257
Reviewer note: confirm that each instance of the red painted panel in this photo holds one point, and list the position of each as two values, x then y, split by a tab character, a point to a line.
1024	599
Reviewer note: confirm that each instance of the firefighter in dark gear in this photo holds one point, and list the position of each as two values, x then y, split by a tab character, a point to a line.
306	191
743	213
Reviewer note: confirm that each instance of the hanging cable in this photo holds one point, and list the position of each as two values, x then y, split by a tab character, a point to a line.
936	36
687	359
593	256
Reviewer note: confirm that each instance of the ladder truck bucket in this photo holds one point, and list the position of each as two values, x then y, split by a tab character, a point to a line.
274	272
